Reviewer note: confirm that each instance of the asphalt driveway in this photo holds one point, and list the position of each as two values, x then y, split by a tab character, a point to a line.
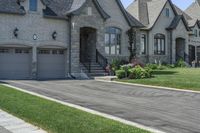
169	111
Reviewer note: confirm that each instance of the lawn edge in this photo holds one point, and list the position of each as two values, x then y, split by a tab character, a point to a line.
151	86
107	116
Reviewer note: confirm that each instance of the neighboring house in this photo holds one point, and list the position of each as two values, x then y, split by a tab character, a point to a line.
194	12
167	35
52	39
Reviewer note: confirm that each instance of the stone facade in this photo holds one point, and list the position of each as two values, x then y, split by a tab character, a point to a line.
35	32
33	24
182	31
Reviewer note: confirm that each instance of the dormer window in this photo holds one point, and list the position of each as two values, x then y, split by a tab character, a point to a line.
33	5
89	11
195	33
167	12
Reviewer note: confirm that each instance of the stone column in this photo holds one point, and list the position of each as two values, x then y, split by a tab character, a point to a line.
75	52
174	51
196	55
34	63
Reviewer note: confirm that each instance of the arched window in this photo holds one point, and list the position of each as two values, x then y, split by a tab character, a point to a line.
112	41
159	44
33	5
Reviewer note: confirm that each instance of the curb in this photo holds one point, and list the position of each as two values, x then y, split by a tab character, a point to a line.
130	123
151	86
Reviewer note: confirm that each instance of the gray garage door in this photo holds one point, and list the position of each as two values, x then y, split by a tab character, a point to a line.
15	63
51	64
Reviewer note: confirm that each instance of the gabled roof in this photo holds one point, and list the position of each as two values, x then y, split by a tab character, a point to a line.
130	19
176	21
64	8
181	12
194	23
11	6
194	10
57	7
153	9
79	4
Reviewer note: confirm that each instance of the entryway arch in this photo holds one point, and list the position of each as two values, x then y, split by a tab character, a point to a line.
180	48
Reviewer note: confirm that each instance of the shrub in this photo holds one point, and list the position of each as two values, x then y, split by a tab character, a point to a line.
116	63
152	66
121	74
180	63
140	73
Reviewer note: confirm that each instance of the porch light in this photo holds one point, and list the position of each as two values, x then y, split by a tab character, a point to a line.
54	35
15	32
73	25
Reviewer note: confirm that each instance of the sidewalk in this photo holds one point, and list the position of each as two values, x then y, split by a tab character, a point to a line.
11	124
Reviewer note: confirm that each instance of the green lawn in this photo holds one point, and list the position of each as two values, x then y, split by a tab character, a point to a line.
181	78
57	118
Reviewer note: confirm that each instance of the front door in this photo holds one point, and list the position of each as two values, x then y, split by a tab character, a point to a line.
191	53
87	44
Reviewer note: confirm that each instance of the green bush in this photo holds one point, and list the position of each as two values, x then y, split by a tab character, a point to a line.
152	66
116	64
140	73
180	63
121	74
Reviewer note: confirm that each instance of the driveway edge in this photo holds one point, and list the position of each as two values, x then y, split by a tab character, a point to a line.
151	86
150	129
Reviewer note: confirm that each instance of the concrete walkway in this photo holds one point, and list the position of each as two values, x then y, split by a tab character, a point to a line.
11	124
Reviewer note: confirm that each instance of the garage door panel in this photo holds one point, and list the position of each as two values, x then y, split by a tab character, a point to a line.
51	66
15	65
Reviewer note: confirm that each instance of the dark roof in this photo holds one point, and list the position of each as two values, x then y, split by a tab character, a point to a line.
11	6
100	9
176	21
135	22
65	8
79	4
57	7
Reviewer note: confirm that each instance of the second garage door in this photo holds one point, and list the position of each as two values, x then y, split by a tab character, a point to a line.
51	64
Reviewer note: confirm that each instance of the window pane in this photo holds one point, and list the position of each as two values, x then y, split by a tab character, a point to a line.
112	38
33	5
112	41
107	51
112	49
107	39
143	44
167	12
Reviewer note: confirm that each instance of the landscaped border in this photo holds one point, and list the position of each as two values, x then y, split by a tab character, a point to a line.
151	86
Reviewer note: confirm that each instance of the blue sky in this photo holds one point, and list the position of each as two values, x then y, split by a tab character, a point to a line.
183	4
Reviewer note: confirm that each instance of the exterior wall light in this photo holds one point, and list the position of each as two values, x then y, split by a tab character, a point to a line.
54	35
15	32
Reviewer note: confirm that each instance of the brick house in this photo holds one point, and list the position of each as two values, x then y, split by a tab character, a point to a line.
55	39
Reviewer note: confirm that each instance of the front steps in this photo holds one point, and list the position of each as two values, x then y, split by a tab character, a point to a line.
96	70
